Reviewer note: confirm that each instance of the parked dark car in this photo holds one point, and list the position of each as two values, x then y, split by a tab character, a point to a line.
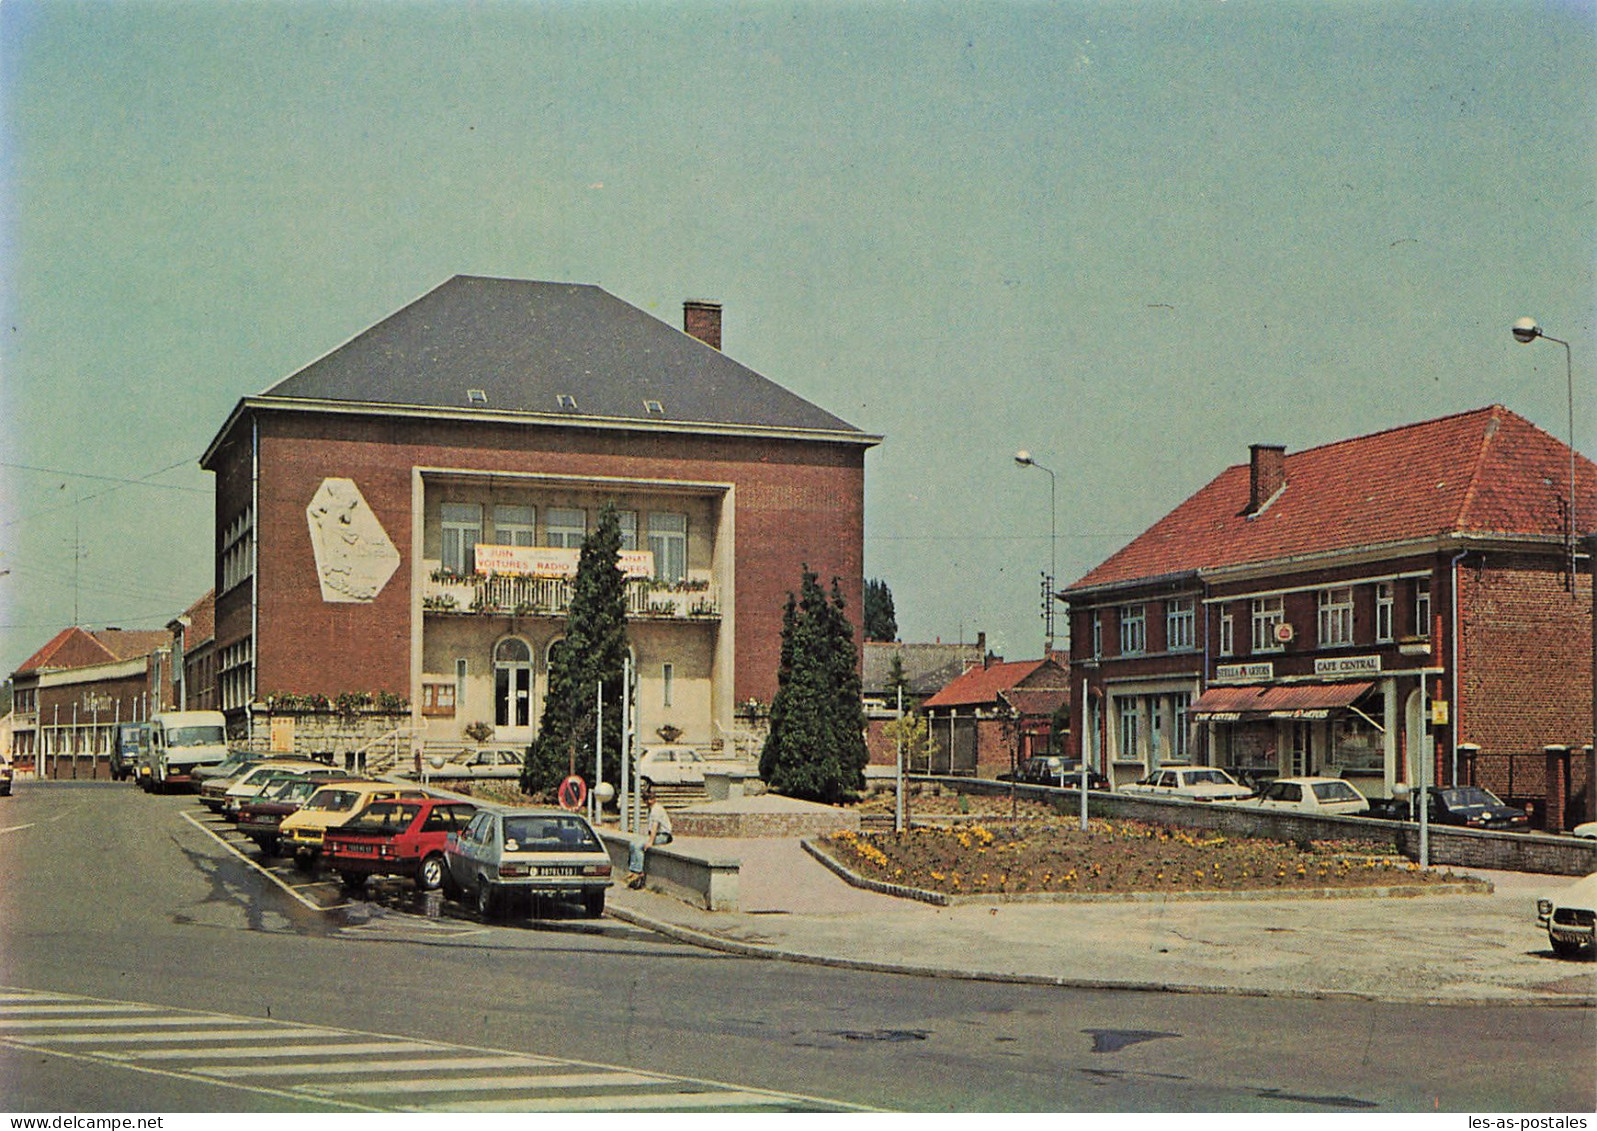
1046	770
1466	806
259	817
131	738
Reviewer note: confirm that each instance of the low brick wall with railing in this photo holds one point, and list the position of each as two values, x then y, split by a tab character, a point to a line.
1450	846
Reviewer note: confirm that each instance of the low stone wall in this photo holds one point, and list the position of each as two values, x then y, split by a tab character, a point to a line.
690	822
1449	845
707	880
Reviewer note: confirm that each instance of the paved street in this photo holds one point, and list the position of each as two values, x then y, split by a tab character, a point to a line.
118	897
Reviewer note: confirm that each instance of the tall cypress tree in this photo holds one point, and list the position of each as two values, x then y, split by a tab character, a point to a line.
592	653
816	748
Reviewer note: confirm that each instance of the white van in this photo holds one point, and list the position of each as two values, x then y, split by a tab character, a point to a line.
179	741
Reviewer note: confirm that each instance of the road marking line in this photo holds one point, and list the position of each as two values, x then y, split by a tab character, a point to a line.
313	906
67	1007
116	1022
359	1068
168	1037
320	1049
650	1101
488	1083
18	828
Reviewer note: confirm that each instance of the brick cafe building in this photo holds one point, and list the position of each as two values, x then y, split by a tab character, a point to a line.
1351	609
401	518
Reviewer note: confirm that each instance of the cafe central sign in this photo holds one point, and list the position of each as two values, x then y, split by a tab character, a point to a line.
552	561
1348	665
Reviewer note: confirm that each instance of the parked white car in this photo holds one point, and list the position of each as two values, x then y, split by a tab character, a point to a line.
1568	916
1588	830
671	765
1324	796
1190	783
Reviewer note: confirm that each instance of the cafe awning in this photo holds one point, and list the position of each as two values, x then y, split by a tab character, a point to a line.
1287	701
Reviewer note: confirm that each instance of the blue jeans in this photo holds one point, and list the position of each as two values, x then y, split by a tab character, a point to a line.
635	852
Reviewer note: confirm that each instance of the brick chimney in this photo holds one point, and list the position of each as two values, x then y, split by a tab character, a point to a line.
1266	475
702	320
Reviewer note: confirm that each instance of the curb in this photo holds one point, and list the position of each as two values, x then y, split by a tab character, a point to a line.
710	941
1468	885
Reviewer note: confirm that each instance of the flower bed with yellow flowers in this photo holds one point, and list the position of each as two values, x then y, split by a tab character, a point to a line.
988	857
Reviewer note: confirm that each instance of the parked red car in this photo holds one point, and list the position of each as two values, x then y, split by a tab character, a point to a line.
403	837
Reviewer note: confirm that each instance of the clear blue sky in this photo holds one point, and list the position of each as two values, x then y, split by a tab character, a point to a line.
1131	238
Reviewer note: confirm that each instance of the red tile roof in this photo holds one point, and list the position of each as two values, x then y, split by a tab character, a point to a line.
1489	471
79	648
982	684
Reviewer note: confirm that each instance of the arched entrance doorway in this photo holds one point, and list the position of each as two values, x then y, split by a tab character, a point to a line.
512	690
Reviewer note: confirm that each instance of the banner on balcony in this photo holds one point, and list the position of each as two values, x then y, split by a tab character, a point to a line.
552	561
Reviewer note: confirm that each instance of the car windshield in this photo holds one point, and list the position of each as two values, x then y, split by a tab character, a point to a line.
194	736
554	833
333	800
1334	791
1468	797
1207	777
384	817
278	787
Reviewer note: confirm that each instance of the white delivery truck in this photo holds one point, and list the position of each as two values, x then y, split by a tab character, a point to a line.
178	741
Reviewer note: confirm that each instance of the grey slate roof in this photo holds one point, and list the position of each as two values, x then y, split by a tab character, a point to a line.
526	344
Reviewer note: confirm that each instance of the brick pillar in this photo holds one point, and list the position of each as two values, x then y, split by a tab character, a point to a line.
1557	781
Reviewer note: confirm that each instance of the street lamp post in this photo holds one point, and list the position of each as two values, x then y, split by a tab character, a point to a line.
1525	331
1023	458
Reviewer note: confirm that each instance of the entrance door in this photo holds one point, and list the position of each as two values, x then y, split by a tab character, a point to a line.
1302	750
512	689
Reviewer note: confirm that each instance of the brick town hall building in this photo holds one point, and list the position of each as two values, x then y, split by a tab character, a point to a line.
402	517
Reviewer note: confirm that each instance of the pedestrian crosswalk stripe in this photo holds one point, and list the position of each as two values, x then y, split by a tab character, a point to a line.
33	1009
117	1022
362	1068
196	1035
319	1049
643	1101
488	1083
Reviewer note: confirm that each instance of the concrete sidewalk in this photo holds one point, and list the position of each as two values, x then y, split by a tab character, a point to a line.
1456	949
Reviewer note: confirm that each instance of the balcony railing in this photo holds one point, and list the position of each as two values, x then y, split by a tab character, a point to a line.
551	597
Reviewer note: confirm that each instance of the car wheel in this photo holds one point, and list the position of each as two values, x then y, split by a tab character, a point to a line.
430	873
303	859
1564	948
487	900
593	903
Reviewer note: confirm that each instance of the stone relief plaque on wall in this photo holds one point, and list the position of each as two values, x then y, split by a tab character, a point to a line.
354	557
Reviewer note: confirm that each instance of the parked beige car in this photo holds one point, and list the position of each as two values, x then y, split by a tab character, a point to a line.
332	805
225	795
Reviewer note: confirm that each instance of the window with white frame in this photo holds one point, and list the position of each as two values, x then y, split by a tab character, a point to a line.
462	530
1228	638
515	525
1128	715
237	550
1179	622
1422	608
1383	612
237	662
1181	725
1336	616
668	542
565	527
1097	635
628	521
668	673
1133	629
1268	612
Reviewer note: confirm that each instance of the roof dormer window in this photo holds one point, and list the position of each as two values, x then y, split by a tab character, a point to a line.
567	401
654	408
476	396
